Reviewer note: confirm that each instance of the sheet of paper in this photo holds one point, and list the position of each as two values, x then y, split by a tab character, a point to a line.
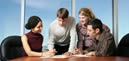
80	55
56	56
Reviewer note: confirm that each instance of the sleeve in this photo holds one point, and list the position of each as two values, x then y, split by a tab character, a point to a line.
73	36
106	28
79	42
51	39
104	47
93	46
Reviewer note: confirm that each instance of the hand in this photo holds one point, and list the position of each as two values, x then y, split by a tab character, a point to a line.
77	51
48	54
85	51
68	54
52	51
90	54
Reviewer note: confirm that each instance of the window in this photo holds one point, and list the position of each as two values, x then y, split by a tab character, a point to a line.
46	10
10	14
123	17
102	9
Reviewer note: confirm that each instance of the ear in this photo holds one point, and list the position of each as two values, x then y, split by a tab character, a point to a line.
97	30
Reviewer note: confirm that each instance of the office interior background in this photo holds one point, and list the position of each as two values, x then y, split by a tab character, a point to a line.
11	14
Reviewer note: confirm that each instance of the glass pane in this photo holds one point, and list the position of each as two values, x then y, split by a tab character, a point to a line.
123	17
46	10
102	9
10	14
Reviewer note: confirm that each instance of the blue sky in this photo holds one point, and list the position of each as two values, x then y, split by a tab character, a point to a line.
10	14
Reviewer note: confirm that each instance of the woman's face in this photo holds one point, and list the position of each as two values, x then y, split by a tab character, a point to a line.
37	28
83	19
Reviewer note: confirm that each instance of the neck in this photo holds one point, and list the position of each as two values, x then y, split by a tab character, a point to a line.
32	31
97	37
84	25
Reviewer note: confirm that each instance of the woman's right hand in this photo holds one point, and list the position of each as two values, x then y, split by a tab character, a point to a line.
52	51
49	53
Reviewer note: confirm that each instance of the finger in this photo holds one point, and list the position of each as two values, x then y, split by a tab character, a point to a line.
75	48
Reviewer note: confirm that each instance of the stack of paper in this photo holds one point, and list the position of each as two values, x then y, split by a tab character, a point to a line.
57	56
63	56
80	55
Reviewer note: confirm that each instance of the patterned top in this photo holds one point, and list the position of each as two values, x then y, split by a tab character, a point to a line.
104	46
84	41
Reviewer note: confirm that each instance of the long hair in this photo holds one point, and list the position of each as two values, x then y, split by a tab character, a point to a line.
87	12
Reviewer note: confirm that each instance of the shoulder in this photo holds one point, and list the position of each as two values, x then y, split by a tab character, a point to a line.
42	37
107	35
53	24
77	26
71	18
106	28
24	37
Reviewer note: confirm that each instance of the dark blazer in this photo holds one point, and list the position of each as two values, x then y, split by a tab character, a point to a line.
104	46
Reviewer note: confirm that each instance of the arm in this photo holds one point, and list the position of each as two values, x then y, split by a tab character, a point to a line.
107	47
33	53
91	48
73	36
51	39
79	42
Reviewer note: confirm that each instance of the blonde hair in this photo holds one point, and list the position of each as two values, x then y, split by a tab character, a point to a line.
87	12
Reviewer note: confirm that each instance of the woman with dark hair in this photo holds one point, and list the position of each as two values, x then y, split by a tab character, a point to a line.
32	41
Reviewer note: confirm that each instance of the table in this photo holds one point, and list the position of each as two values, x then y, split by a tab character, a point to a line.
106	58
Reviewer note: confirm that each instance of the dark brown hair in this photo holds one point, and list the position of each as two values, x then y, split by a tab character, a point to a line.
96	23
32	22
63	13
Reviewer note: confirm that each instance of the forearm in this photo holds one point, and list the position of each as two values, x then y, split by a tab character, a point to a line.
72	36
72	46
32	53
50	45
51	39
80	42
72	41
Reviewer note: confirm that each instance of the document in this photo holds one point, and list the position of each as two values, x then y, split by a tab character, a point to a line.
56	56
80	55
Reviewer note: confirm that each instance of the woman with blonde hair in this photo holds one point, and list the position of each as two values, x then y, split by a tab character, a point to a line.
84	41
